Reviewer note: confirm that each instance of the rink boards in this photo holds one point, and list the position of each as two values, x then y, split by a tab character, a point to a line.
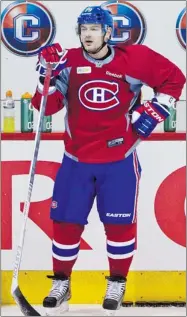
158	268
88	287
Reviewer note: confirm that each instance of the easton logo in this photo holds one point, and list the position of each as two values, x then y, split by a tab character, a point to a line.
153	113
118	215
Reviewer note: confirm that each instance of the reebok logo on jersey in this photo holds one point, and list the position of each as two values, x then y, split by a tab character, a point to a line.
84	70
113	75
118	215
115	142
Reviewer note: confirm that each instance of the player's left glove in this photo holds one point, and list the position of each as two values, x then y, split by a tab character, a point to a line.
146	116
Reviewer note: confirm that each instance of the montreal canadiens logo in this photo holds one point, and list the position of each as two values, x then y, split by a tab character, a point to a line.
99	95
181	28
26	26
129	23
54	204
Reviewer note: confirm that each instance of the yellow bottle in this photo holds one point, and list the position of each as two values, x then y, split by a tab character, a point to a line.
9	113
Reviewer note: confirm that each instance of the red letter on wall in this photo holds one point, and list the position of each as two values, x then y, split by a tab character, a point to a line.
39	211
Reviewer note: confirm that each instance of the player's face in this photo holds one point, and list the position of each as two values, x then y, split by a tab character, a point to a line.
91	37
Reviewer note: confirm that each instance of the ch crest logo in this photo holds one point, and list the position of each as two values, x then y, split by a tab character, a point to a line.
99	95
129	23
181	28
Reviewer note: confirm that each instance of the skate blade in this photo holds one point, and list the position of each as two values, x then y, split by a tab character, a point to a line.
110	312
58	311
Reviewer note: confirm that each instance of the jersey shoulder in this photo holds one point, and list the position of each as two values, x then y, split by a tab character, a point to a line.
74	55
135	57
132	50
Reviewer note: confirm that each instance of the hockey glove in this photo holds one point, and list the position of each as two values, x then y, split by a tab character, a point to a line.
146	117
53	54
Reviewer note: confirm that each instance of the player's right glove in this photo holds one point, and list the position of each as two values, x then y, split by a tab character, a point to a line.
53	54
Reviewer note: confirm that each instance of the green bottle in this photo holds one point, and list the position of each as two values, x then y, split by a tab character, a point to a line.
47	124
27	118
171	121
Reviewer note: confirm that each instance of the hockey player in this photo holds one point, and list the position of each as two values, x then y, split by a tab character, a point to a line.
100	85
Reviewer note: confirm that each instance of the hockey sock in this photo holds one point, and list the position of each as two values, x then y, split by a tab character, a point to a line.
120	247
65	248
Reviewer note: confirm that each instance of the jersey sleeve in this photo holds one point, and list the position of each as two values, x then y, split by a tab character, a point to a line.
154	70
57	93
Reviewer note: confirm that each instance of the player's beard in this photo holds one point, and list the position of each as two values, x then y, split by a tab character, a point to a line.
97	50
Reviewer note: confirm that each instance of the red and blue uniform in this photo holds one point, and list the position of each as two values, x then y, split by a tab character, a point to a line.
100	142
104	122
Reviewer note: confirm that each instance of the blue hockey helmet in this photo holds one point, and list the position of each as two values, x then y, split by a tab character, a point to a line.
96	15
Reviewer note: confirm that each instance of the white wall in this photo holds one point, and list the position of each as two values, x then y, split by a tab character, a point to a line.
18	73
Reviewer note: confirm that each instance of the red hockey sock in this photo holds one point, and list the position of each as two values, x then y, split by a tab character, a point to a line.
120	247
66	242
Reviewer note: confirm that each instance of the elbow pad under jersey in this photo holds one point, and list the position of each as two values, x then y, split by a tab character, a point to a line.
54	102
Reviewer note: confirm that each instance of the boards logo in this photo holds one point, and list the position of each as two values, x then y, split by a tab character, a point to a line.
26	26
129	23
39	211
181	28
170	206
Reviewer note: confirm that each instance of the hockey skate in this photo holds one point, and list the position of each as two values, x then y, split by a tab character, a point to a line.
114	295
56	303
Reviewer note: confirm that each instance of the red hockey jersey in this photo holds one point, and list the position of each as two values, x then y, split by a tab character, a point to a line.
99	94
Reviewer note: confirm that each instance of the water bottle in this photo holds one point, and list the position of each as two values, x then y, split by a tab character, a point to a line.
27	117
9	113
47	124
171	121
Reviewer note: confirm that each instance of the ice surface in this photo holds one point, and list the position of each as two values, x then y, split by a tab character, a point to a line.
96	310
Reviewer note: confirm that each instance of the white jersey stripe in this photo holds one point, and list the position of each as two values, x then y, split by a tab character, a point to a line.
120	244
65	246
121	256
64	258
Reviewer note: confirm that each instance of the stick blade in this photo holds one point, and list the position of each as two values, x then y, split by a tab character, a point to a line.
23	304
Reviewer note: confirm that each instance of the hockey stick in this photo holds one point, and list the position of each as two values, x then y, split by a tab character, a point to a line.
19	298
